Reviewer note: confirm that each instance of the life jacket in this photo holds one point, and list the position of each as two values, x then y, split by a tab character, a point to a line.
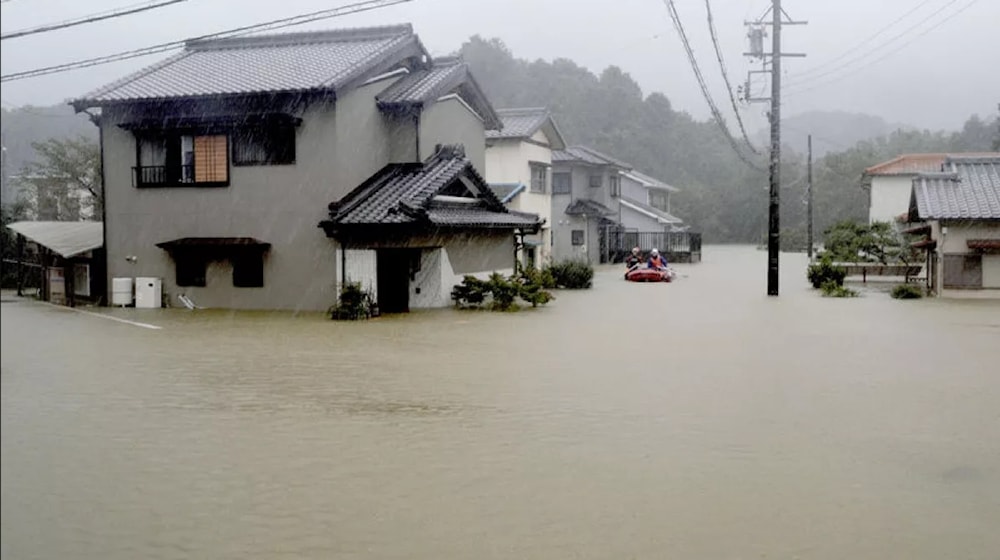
657	261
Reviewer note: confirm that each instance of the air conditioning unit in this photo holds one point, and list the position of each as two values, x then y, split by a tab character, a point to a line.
148	293
121	292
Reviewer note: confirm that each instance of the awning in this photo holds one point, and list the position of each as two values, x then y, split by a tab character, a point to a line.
214	245
924	244
917	229
983	244
66	239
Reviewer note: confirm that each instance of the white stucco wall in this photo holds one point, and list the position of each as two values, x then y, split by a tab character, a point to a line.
890	197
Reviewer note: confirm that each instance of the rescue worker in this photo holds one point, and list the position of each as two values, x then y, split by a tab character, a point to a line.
656	260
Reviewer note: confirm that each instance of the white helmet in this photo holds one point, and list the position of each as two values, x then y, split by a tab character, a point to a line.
654	252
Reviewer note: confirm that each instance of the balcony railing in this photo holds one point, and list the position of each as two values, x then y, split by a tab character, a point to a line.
162	175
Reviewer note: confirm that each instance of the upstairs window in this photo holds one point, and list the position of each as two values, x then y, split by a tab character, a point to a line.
264	146
659	200
539	178
182	159
596	181
562	183
615	183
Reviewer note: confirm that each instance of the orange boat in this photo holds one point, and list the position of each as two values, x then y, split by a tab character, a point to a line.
648	275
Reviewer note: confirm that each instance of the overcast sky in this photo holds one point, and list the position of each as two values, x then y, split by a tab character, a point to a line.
940	69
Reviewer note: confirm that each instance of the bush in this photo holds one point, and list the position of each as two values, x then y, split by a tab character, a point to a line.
907	291
832	289
824	271
572	275
500	293
543	278
354	303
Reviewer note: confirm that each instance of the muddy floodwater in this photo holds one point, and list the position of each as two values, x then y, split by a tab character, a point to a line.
694	420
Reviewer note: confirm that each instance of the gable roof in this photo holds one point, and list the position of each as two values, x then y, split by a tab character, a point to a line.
524	122
67	239
411	193
649	182
423	87
507	191
969	188
649	211
913	164
585	207
324	61
586	155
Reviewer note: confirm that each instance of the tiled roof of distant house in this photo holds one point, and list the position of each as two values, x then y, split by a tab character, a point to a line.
655	213
507	191
650	182
425	86
278	63
445	190
525	122
968	188
913	164
582	206
583	154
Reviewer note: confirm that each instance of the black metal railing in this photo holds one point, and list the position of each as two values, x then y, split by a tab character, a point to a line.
676	245
159	175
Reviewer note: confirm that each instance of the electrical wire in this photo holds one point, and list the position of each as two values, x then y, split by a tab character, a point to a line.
725	77
799	90
346	9
720	121
128	10
793	82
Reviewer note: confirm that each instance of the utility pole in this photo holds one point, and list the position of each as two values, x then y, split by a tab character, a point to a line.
778	18
809	199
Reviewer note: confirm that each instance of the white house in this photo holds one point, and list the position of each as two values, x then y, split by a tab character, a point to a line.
958	209
518	164
889	183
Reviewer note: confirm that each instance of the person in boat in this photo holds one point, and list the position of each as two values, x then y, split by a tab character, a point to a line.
656	261
634	259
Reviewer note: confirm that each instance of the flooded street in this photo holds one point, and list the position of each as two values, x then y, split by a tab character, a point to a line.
698	419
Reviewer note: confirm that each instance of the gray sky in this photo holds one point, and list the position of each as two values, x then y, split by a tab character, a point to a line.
937	80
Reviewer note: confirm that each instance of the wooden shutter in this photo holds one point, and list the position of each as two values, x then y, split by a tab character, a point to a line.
211	157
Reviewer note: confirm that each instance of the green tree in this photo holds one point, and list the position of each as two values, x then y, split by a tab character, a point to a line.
67	172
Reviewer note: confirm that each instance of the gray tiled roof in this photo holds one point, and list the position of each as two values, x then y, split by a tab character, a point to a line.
445	76
520	123
287	62
968	188
405	194
582	206
584	154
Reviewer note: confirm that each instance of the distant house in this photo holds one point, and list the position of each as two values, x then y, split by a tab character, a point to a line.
958	210
889	183
645	204
518	163
69	257
586	192
220	163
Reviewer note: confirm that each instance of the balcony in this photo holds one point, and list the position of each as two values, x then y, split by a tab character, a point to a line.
151	176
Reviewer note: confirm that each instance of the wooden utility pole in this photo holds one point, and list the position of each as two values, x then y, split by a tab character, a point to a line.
774	184
809	196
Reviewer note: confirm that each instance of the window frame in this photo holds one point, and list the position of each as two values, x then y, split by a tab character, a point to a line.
286	135
185	276
578	237
248	270
173	168
569	182
535	167
615	185
595	184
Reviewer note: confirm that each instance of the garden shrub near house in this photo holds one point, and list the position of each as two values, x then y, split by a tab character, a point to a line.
354	303
907	291
500	293
832	289
825	271
572	274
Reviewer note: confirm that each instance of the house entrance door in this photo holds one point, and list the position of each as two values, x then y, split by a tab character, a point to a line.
394	271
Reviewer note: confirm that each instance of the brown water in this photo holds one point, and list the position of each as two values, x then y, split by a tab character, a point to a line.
695	420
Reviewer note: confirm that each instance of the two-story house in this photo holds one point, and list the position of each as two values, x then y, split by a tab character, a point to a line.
586	191
221	162
518	164
645	204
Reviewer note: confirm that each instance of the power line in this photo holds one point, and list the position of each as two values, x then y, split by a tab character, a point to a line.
128	10
725	76
862	56
800	89
704	88
866	41
346	9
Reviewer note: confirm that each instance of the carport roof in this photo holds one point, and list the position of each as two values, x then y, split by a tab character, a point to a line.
67	239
